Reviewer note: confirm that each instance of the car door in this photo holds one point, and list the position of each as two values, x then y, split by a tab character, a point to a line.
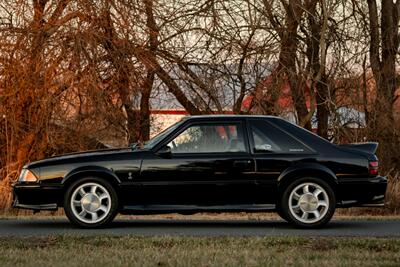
209	164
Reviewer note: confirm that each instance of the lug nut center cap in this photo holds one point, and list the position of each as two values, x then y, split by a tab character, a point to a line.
308	202
91	202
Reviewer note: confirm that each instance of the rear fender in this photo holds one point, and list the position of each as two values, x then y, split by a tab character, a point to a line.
307	170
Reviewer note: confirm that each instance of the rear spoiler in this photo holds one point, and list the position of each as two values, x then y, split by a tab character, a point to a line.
369	147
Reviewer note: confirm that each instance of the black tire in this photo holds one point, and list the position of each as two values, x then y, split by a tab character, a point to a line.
108	216
326	211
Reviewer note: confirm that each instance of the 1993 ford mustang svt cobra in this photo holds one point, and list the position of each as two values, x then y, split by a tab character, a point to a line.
209	164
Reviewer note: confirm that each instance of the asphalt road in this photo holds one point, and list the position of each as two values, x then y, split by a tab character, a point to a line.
45	227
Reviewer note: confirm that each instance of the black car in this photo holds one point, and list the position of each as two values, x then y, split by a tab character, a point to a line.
209	164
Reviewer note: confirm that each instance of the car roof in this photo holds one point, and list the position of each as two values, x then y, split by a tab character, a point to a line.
229	116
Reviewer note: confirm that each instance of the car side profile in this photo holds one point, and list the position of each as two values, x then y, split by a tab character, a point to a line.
217	163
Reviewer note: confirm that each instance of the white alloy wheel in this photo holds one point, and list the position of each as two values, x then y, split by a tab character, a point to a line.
90	203
308	202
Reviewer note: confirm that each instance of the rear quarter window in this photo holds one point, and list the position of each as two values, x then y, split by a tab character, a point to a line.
268	138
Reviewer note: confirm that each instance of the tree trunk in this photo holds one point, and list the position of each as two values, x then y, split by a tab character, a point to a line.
287	69
322	107
145	107
153	33
319	78
383	51
287	59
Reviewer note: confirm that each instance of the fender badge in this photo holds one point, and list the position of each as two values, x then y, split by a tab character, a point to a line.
130	176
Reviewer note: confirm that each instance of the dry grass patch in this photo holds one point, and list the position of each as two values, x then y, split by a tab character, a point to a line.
341	214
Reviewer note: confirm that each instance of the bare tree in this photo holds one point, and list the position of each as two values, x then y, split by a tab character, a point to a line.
30	74
384	43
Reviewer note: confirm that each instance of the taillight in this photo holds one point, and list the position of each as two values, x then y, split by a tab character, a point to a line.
373	167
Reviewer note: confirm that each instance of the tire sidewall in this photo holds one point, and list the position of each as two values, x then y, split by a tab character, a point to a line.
285	202
114	202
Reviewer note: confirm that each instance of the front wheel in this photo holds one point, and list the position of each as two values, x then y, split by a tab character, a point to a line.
308	203
91	203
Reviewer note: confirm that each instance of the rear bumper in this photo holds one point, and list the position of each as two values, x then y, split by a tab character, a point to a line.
362	192
37	197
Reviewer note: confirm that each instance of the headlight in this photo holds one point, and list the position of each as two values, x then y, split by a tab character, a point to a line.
27	176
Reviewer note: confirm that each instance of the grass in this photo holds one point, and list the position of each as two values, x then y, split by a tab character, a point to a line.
198	251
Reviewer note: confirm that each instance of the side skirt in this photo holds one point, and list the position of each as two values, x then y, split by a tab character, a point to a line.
188	209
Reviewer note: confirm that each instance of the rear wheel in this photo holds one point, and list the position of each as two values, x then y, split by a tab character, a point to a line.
91	202
308	203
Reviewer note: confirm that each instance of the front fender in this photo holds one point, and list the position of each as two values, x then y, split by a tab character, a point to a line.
91	170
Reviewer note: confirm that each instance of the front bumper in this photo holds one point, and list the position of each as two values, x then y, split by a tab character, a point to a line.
17	205
362	192
37	196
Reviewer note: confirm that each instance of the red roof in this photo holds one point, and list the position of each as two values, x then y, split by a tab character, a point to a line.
285	100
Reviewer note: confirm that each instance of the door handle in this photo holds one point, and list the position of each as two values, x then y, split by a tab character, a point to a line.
241	163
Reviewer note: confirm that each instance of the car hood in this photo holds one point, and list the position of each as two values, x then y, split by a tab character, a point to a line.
85	155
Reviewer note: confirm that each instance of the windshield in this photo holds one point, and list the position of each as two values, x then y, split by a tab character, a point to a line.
152	142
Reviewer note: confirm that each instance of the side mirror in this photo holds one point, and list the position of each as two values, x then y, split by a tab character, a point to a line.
164	152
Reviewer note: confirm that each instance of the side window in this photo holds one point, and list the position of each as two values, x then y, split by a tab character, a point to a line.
209	138
268	138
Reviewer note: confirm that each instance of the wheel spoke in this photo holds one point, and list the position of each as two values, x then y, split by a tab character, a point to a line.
306	189
322	203
93	189
316	214
304	216
296	196
82	214
82	192
296	208
103	208
317	192
103	196
77	203
94	216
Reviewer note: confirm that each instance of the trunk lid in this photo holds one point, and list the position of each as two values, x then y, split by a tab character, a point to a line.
368	151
